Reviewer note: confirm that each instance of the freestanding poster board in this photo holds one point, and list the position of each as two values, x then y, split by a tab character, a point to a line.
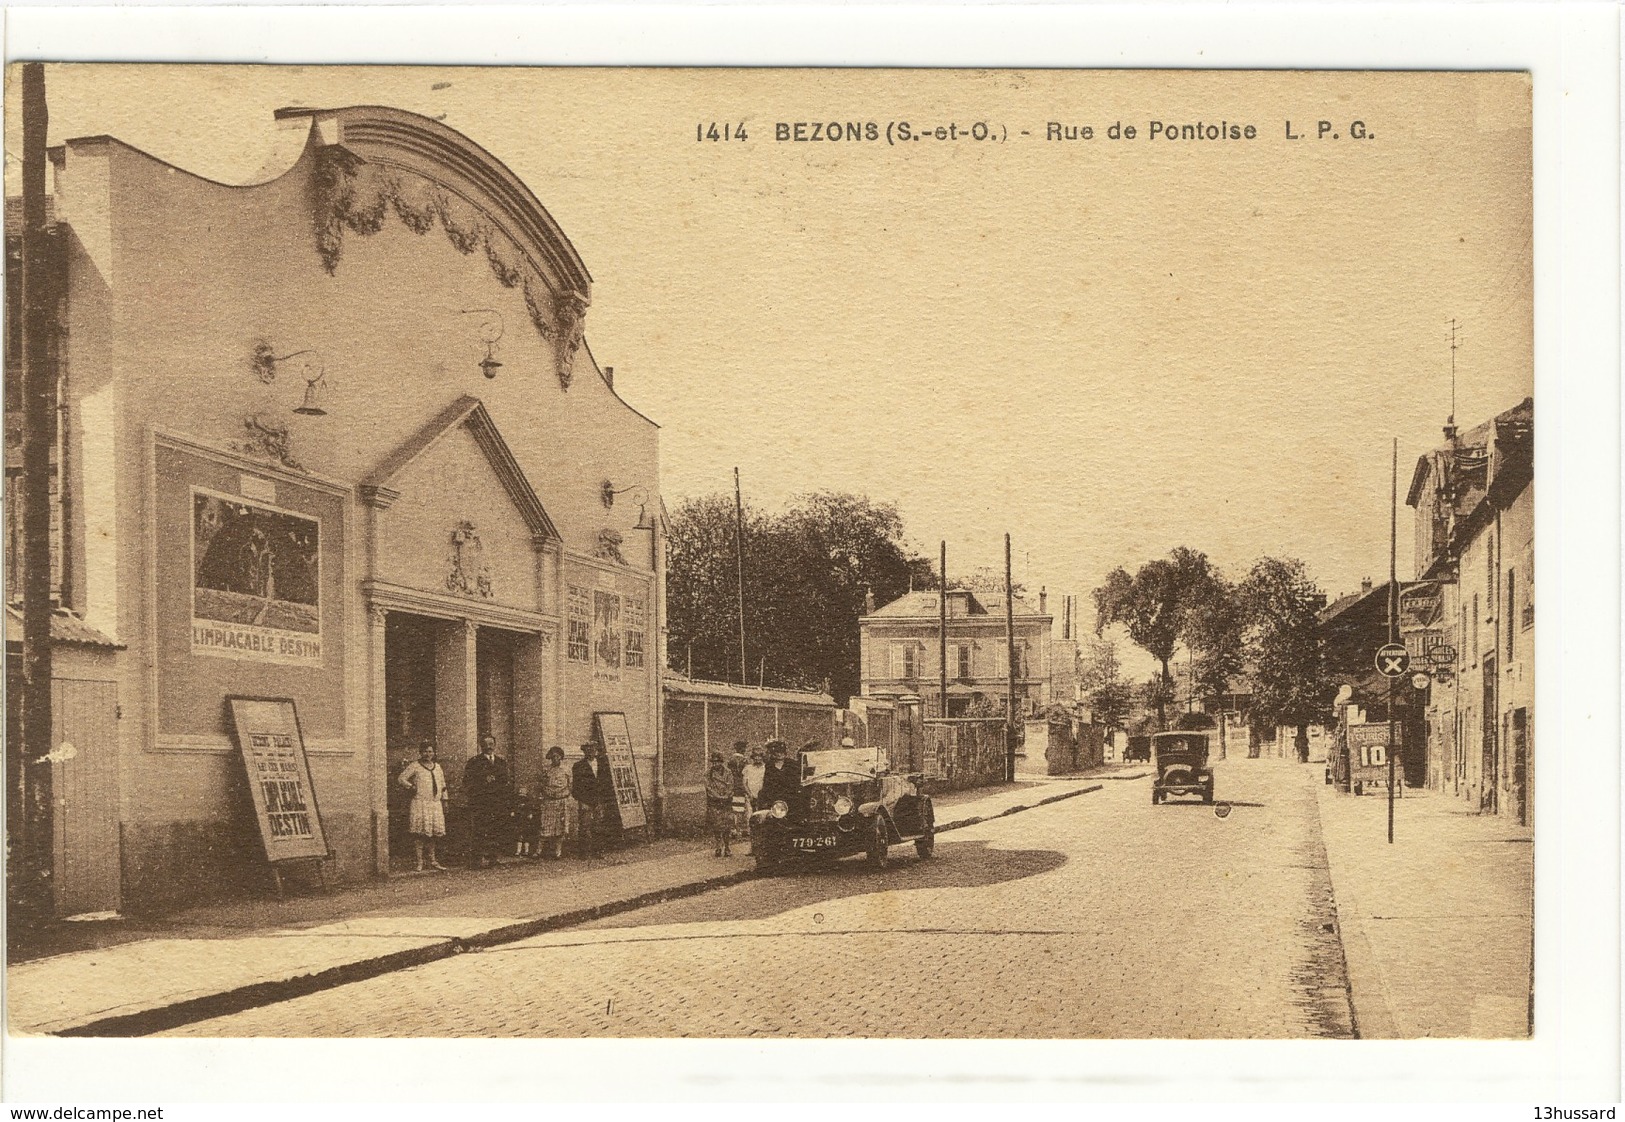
617	741
273	751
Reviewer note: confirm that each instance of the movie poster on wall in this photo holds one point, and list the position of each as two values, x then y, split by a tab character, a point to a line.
256	581
606	612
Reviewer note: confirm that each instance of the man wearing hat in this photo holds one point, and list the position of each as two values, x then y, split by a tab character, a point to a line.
594	791
782	779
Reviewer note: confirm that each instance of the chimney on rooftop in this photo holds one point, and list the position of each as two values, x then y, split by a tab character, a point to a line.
1365	586
1043	598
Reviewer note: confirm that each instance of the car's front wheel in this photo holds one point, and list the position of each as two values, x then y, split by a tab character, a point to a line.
879	845
926	844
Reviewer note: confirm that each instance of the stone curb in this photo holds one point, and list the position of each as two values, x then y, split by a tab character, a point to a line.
144	1022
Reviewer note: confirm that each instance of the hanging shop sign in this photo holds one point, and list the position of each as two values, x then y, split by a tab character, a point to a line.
616	738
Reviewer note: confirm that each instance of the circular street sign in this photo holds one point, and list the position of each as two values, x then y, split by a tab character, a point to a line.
1393	661
1421	679
1442	655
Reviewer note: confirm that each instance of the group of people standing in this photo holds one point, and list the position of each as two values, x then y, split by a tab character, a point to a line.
735	785
492	807
741	782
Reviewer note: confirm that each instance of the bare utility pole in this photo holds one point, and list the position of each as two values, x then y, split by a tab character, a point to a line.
39	437
1010	643
1453	345
942	628
1393	622
739	564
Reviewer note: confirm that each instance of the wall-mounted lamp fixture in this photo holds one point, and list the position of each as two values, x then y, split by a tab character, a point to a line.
264	362
607	492
309	407
490	332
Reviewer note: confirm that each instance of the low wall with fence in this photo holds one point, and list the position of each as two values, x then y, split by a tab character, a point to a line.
704	718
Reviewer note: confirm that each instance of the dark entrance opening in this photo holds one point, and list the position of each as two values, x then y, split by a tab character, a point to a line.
494	676
409	714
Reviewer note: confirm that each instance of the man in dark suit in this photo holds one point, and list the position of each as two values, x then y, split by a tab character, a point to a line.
487	787
782	779
594	791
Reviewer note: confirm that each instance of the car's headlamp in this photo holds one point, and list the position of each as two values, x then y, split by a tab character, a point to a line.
843	806
780	808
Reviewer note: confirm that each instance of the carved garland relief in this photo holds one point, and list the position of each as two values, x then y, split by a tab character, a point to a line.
352	194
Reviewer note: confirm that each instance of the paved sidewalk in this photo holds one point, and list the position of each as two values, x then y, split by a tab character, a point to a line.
152	974
1437	928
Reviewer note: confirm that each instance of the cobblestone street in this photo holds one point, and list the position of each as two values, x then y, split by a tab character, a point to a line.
1099	916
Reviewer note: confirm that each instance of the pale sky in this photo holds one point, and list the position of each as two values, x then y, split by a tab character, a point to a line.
1106	347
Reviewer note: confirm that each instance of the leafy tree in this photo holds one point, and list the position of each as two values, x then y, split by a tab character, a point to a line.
1160	604
1109	695
1155	694
1290	684
702	613
807	571
1214	632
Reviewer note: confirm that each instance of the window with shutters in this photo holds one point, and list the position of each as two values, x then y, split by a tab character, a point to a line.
964	660
1511	611
1476	618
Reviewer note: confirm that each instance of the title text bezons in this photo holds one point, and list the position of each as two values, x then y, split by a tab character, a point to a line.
894	132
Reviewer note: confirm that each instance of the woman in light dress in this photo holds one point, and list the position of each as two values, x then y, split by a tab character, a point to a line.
426	820
754	773
719	804
555	803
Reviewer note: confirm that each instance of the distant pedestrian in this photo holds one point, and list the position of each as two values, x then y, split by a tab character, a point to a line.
741	799
486	787
555	803
594	793
426	818
719	805
755	771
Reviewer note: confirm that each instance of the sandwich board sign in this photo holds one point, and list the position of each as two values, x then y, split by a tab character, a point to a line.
272	746
617	741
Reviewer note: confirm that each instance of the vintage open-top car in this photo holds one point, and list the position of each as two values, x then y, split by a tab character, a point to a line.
846	803
1180	760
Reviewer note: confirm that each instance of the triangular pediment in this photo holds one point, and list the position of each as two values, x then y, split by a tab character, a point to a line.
469	413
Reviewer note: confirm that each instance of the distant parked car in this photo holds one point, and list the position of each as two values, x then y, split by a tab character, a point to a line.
1139	748
846	804
1180	760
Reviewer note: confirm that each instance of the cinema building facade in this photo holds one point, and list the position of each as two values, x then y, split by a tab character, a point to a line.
334	437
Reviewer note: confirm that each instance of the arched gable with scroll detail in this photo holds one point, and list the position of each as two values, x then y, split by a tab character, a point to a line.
376	165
